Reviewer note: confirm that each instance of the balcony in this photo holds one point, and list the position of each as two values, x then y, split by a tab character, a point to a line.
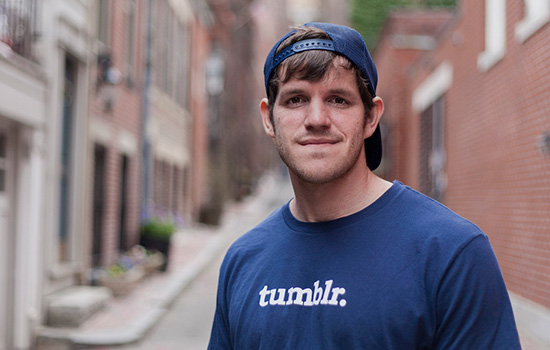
18	20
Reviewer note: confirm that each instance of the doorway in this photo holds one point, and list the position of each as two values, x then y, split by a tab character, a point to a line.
6	197
99	201
123	212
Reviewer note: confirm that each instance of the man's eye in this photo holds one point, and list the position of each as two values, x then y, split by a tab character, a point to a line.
295	100
338	100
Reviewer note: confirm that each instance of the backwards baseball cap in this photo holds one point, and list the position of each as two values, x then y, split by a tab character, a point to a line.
343	41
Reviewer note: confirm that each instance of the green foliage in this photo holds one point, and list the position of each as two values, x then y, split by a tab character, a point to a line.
368	16
441	3
157	229
115	270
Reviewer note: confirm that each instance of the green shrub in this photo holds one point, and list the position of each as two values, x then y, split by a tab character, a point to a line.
156	229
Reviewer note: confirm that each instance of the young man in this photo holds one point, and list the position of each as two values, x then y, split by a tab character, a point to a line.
353	261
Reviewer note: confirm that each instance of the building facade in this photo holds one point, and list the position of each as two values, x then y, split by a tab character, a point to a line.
169	121
148	121
115	129
86	88
468	125
44	63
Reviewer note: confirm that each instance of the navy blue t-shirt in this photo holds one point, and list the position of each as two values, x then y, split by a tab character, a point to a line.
403	273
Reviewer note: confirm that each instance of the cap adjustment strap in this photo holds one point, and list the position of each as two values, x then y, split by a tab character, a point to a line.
304	45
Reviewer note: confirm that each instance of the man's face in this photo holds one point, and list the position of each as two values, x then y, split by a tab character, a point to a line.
319	127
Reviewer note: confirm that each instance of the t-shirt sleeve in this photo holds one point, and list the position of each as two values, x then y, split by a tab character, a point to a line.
473	308
220	336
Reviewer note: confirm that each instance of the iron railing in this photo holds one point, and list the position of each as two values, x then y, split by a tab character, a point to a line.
18	22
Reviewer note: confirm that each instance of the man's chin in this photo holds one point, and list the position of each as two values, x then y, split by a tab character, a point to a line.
321	168
317	176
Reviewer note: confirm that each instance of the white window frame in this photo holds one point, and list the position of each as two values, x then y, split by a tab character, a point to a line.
537	14
433	87
428	95
495	34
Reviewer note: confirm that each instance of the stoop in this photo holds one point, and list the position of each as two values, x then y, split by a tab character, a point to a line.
72	306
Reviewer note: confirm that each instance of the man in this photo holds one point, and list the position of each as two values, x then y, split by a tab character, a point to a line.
353	261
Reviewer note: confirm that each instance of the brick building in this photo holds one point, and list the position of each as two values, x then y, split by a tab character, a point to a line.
169	121
115	129
198	105
44	99
149	123
467	123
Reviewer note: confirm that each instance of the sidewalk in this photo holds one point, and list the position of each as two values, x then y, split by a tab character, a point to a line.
127	318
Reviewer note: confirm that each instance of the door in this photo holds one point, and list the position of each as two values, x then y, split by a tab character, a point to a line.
122	232
99	202
5	178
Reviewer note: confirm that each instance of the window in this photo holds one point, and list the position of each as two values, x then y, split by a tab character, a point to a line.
181	62
428	102
495	34
536	15
130	42
162	40
18	24
176	195
432	151
104	22
65	179
435	85
172	53
3	161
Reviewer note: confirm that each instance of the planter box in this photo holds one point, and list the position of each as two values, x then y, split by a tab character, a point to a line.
160	245
121	285
154	263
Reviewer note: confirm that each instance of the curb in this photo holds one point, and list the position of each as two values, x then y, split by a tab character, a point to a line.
124	335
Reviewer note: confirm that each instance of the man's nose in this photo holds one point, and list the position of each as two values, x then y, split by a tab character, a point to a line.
318	116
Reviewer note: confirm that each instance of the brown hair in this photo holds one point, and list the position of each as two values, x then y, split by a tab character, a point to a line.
311	65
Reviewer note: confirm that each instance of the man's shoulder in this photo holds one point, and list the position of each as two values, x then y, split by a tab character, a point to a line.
432	217
260	235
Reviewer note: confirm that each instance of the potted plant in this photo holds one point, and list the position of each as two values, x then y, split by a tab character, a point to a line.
151	260
131	267
157	235
121	279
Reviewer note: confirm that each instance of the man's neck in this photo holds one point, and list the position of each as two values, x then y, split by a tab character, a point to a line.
340	198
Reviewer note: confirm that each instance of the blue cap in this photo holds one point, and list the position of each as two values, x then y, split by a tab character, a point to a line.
343	41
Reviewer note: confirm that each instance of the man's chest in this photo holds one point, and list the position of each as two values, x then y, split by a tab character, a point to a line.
328	307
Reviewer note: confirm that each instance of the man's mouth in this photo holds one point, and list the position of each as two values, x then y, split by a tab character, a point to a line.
317	142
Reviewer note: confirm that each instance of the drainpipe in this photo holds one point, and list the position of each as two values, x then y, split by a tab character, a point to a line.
146	147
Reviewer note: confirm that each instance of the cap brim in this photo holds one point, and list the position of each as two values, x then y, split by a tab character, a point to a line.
373	149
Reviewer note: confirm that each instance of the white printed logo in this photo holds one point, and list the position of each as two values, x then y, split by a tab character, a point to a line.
305	297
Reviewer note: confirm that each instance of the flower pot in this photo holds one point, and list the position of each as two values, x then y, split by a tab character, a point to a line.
123	283
154	263
160	245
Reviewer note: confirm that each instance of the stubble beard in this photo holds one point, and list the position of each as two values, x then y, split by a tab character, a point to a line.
336	170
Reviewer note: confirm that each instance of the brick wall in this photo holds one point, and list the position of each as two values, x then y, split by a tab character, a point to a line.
122	131
497	175
171	122
198	177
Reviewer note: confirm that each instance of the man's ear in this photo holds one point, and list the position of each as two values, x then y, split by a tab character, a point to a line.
266	120
375	114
